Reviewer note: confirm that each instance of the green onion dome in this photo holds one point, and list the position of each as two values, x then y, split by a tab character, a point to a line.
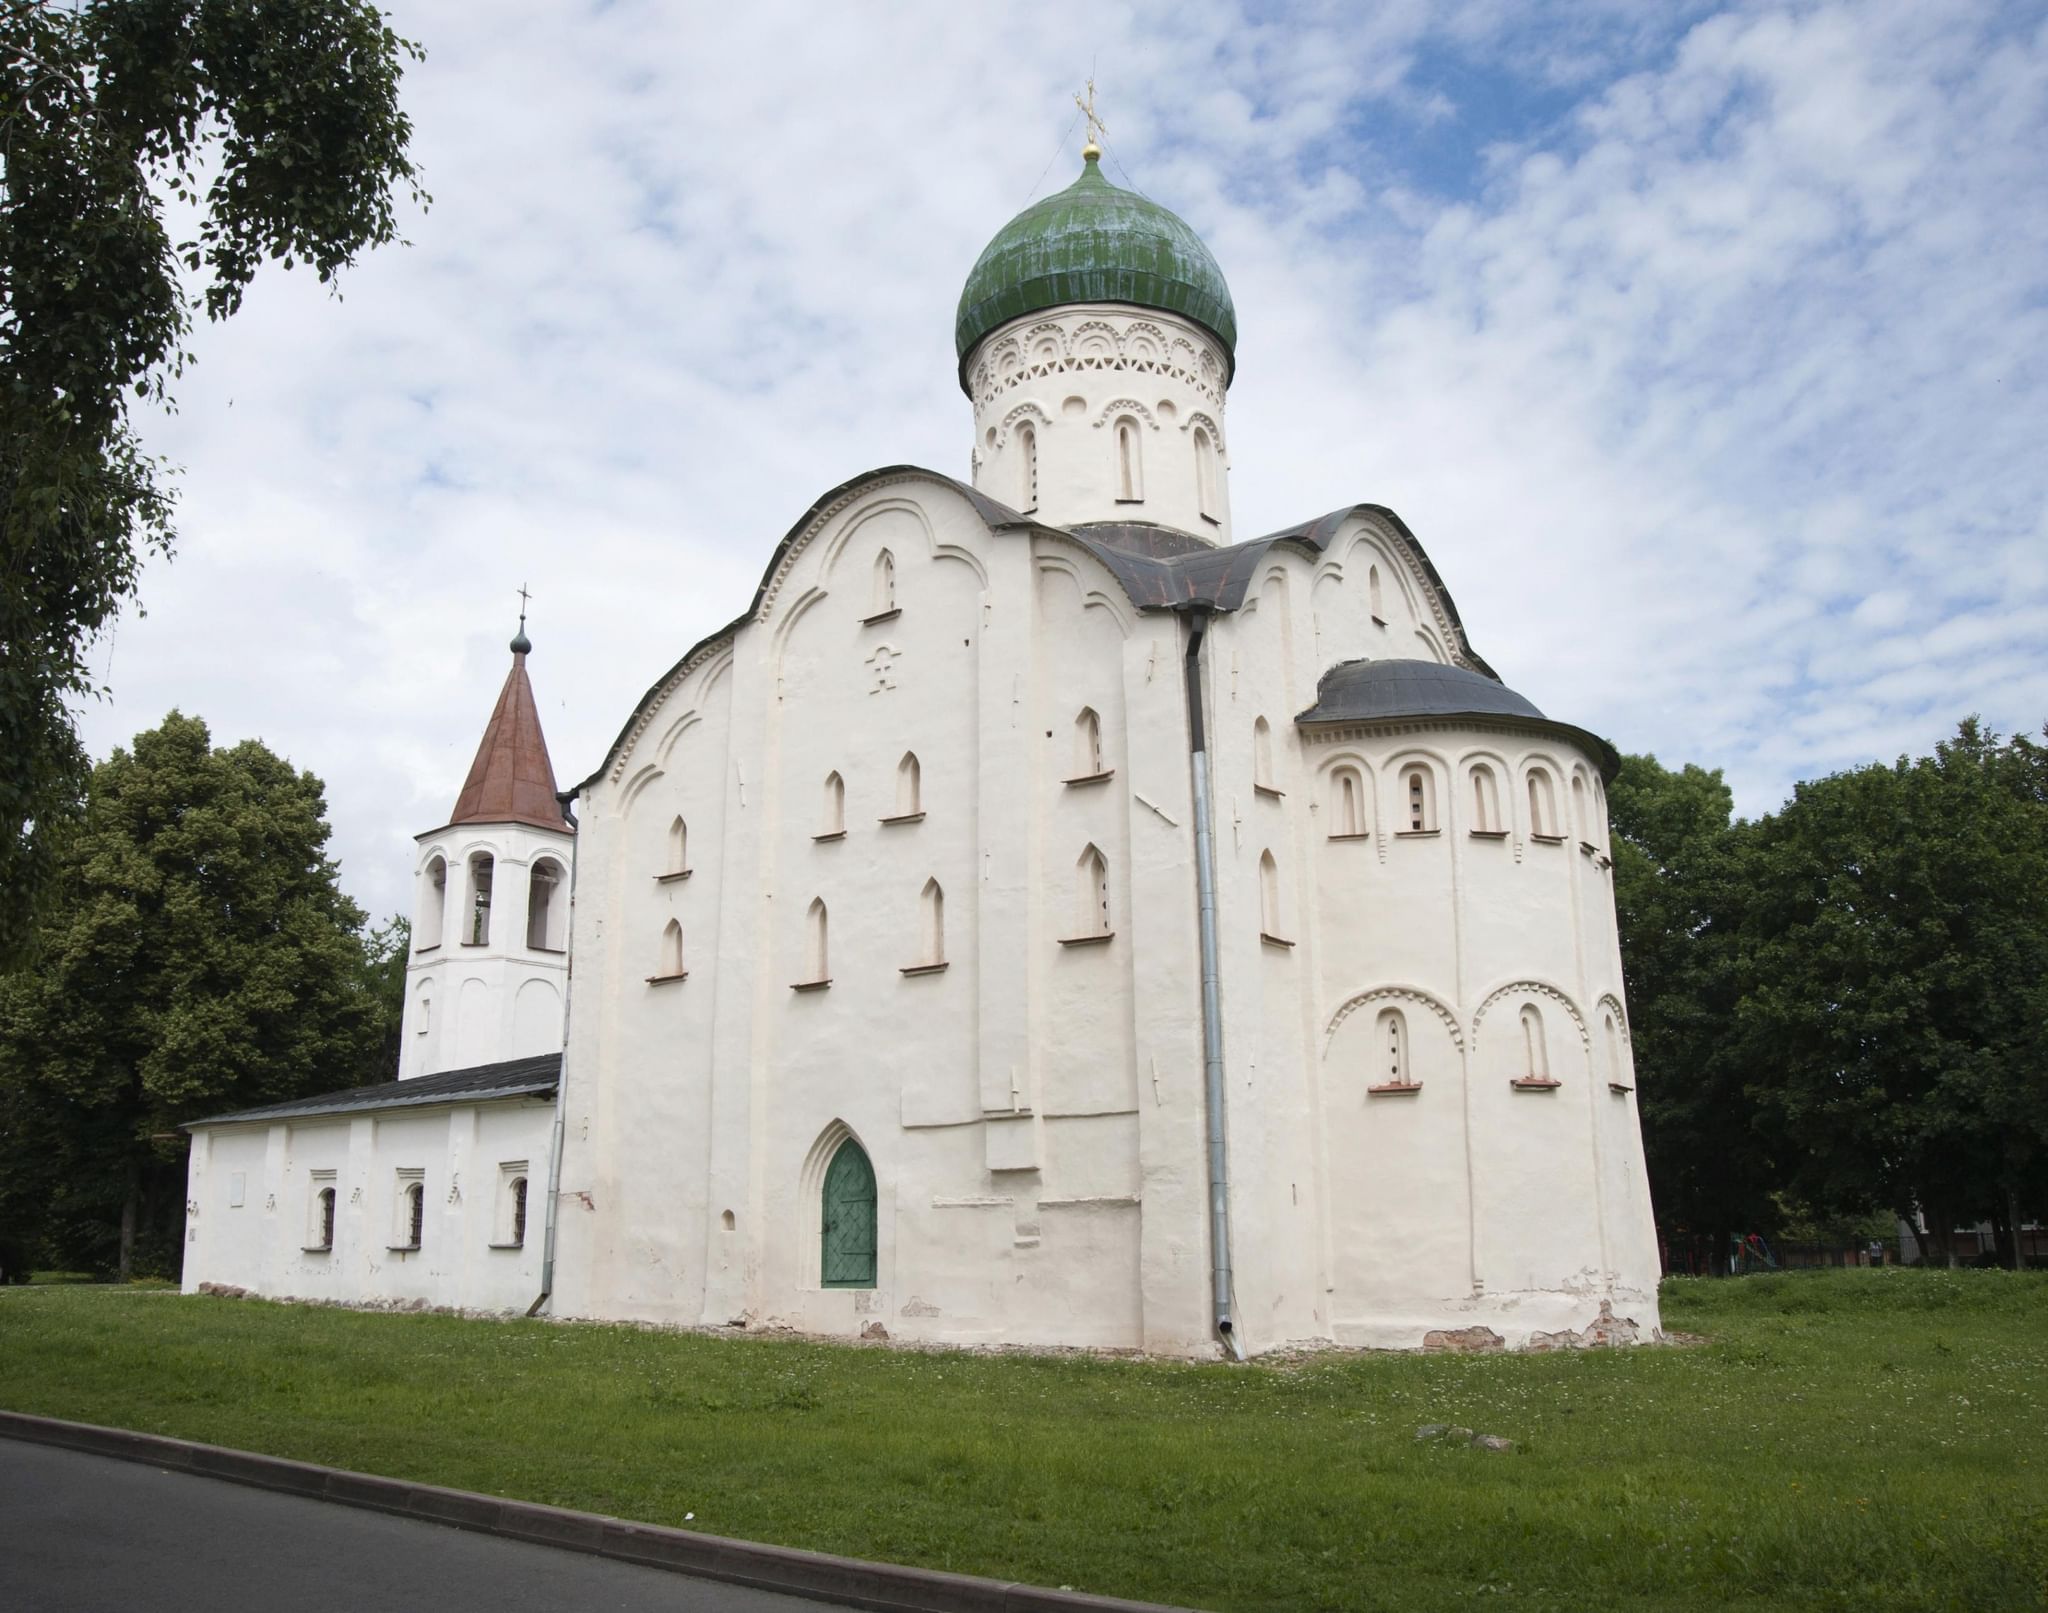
1095	243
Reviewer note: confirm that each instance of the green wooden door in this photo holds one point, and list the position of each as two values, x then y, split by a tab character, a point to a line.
849	1219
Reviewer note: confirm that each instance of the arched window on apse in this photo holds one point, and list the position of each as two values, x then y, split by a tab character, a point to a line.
818	953
883	598
931	914
547	908
1347	805
1372	594
1087	744
1206	500
1092	895
1027	467
1542	805
477	931
909	787
1535	1050
1269	898
669	965
1390	1044
678	847
1262	755
1130	468
1485	801
832	808
1418	800
1582	821
433	906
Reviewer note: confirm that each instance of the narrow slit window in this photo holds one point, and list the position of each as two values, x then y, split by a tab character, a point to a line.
1206	501
1027	469
412	1208
1485	801
670	963
1269	896
320	1234
1536	1053
1130	470
1391	1043
932	924
1372	593
1262	754
518	1210
883	599
909	786
1617	1070
678	847
1347	805
1093	894
1087	744
1542	805
1581	818
832	811
819	957
1418	800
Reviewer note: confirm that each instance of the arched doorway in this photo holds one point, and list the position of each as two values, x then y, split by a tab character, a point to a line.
849	1219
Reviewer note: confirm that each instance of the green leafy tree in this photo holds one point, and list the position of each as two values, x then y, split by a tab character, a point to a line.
386	950
1897	941
1680	873
199	958
277	123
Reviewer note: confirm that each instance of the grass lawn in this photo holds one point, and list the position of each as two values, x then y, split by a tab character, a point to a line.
1845	1439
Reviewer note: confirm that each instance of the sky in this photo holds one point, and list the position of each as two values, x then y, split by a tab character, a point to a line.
1703	349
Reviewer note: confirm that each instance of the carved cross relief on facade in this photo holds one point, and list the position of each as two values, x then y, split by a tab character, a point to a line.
882	664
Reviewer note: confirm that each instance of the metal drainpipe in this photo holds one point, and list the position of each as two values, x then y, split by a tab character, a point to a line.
1212	995
547	1255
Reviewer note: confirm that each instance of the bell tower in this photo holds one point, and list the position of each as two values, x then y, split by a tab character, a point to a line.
490	939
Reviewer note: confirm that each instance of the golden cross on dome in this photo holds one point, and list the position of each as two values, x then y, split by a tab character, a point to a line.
1096	127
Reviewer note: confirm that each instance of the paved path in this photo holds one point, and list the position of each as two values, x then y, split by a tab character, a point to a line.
88	1534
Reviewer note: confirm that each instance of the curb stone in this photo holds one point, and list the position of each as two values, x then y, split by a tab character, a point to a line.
887	1587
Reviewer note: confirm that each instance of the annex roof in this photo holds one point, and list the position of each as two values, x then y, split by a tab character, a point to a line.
480	1083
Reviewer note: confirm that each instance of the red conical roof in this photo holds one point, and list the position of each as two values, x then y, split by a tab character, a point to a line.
512	780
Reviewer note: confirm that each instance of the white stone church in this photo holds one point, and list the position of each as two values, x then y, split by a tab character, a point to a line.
1039	918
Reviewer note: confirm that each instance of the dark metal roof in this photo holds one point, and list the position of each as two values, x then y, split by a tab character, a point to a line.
512	1078
1384	691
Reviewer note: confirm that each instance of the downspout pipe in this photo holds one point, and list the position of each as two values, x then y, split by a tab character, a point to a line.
1220	1284
567	798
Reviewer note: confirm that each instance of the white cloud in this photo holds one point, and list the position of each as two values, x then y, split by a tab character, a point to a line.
1715	386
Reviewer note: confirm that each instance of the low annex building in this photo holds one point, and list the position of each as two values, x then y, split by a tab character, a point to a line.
1042	919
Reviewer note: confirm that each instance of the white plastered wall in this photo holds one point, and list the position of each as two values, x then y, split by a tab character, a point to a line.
1050	391
1034	1112
251	1216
